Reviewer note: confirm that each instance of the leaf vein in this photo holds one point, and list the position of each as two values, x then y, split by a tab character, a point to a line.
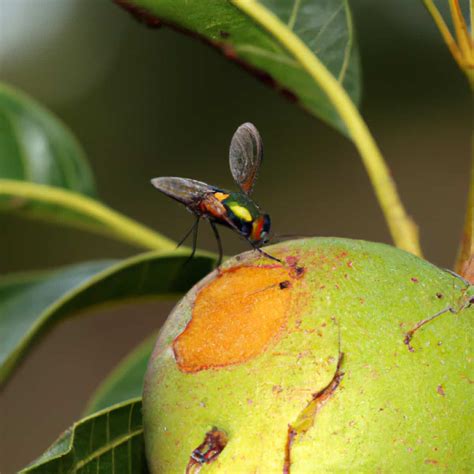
249	48
348	49
108	447
28	175
294	14
328	22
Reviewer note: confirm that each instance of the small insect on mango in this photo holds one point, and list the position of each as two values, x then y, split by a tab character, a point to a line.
235	210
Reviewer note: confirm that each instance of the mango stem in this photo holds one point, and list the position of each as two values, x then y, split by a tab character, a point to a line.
403	230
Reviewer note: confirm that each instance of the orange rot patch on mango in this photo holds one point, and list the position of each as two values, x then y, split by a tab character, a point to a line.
235	317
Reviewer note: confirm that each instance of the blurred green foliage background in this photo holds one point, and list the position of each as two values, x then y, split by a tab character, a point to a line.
147	103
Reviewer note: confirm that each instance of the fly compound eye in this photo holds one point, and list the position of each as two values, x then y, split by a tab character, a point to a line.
245	228
266	225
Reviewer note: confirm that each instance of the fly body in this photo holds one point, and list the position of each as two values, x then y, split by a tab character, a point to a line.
235	210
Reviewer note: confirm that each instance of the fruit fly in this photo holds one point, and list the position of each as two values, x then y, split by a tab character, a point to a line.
235	210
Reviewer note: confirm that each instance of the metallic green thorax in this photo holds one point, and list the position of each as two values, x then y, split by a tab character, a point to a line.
238	203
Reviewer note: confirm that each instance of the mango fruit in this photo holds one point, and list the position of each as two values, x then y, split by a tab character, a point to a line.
348	356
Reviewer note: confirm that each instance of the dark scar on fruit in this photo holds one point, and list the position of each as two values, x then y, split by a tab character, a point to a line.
283	285
213	444
299	271
449	309
296	271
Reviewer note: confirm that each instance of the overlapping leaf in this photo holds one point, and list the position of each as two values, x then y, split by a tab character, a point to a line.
125	381
44	174
36	148
108	441
325	26
30	305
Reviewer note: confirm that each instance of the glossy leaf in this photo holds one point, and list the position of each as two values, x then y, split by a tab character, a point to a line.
110	441
126	380
43	174
32	304
36	147
325	26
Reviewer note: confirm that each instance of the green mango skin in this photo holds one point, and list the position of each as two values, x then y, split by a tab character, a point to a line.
394	410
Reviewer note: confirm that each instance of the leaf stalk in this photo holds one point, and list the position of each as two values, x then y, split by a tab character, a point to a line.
463	53
113	222
465	260
444	30
462	50
402	228
460	28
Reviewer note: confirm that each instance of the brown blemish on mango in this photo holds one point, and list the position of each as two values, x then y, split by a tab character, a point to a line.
307	416
213	444
235	317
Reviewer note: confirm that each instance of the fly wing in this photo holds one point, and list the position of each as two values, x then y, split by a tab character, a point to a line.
184	190
245	156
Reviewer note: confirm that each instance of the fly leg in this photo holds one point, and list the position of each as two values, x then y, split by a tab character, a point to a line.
188	233
219	242
194	230
258	249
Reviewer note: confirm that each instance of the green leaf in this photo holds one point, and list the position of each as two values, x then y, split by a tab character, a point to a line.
325	26
31	304
36	147
44	175
125	381
108	441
